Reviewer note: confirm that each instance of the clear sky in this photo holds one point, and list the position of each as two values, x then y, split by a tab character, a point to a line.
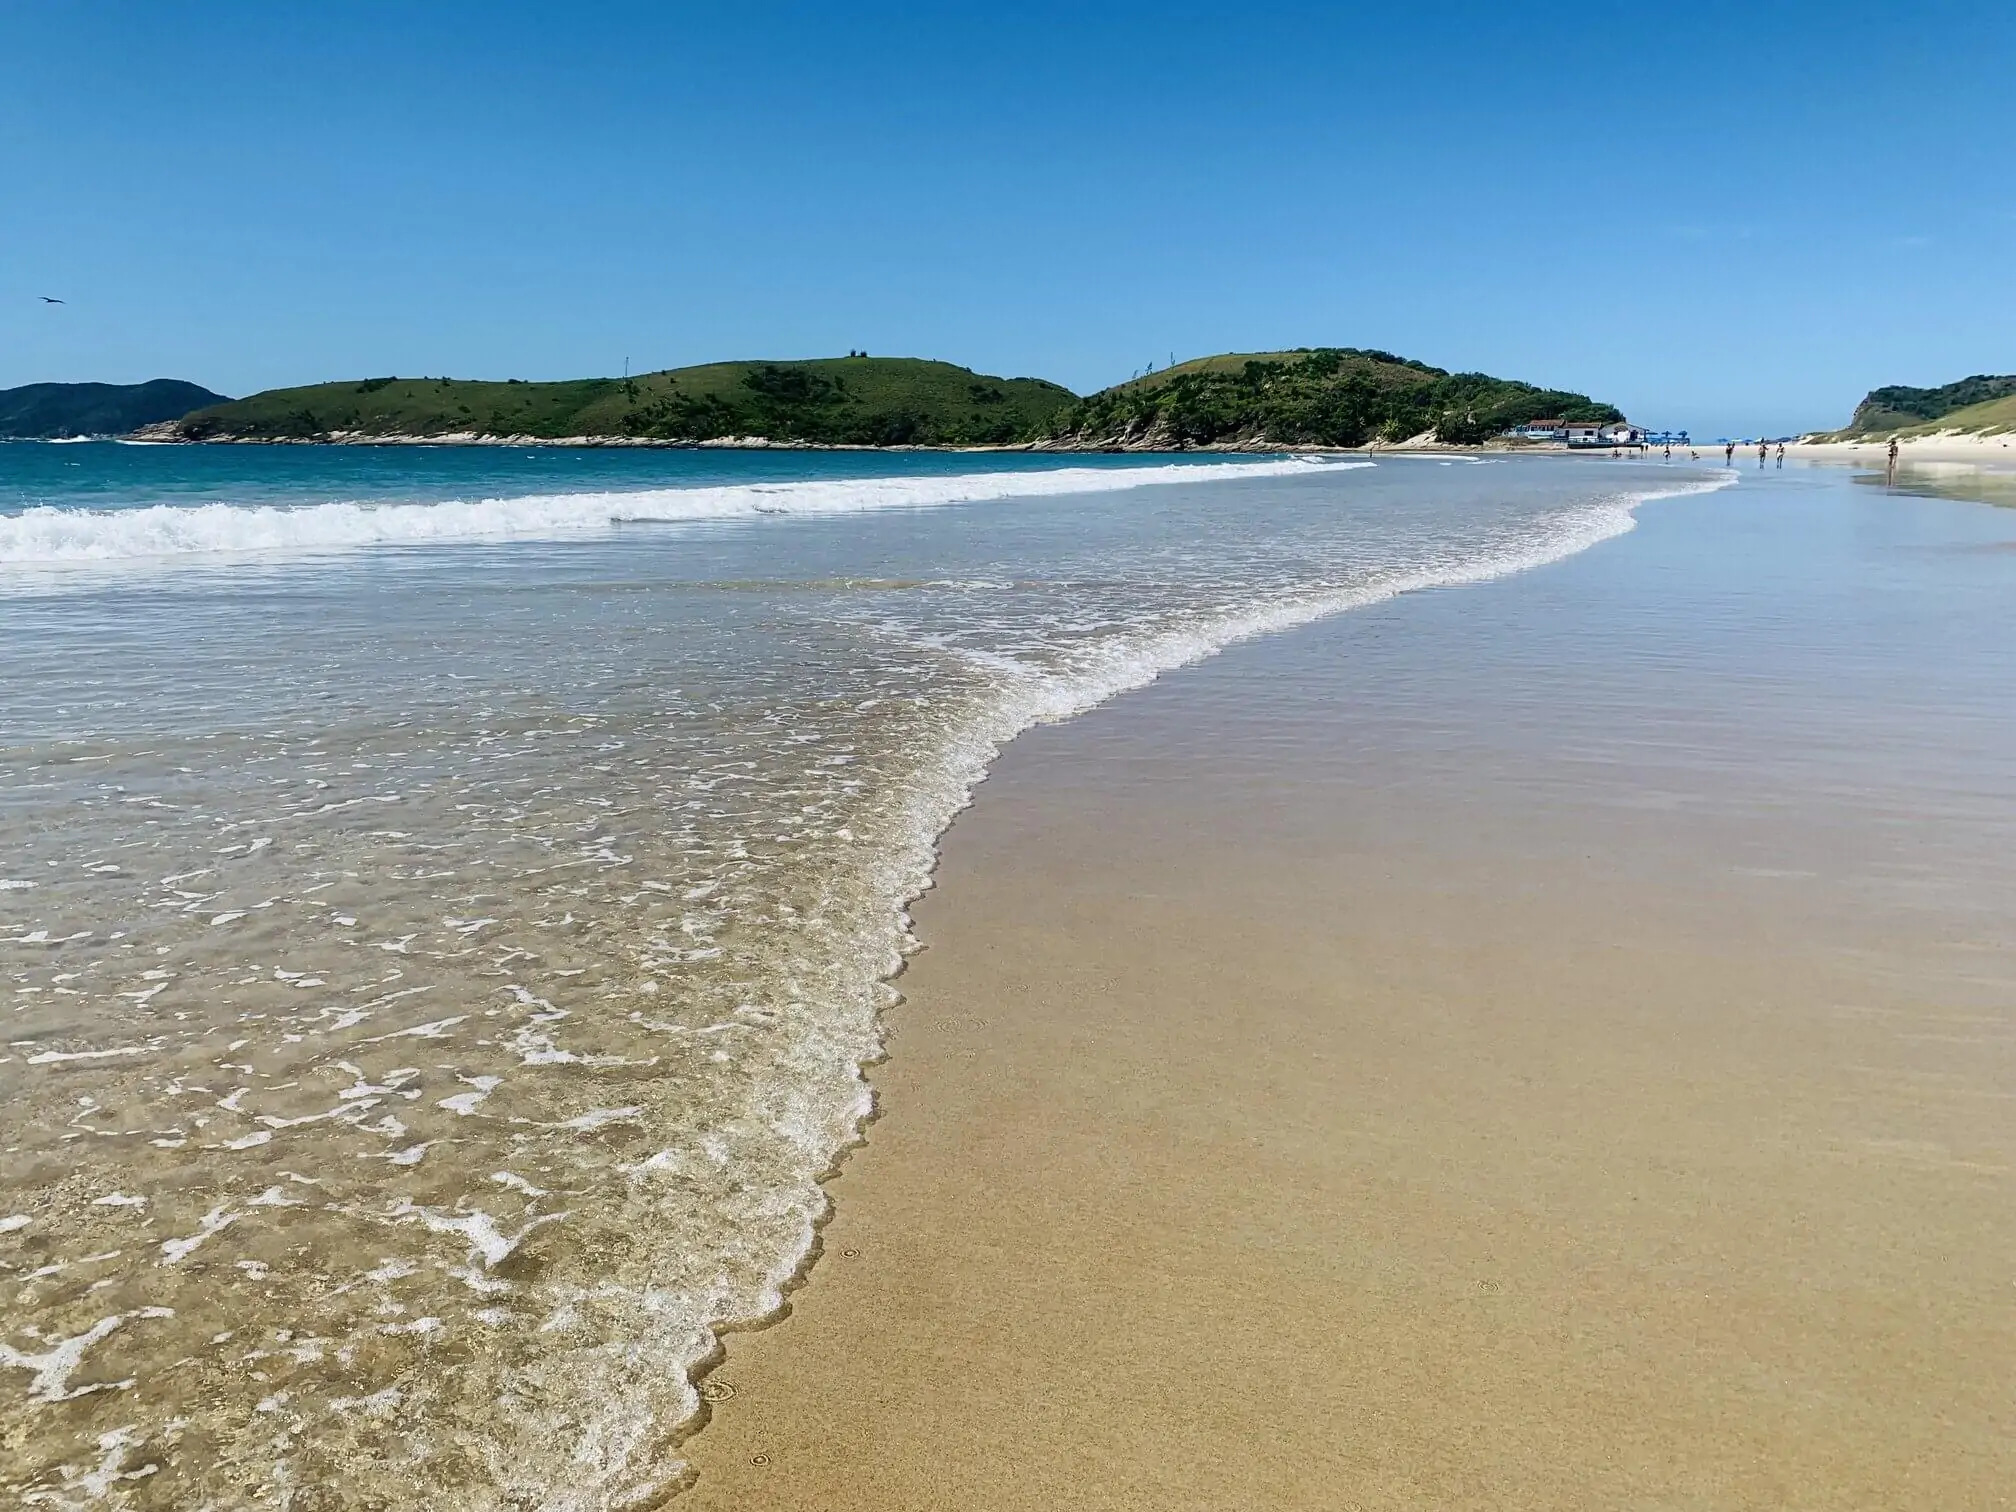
1736	217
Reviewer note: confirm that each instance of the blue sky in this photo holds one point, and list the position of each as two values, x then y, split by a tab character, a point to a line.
1734	217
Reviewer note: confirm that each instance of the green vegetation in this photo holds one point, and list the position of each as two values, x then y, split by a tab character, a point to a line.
858	401
1979	403
1994	418
1323	396
39	411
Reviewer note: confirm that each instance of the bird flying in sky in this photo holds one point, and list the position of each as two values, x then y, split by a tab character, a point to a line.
47	300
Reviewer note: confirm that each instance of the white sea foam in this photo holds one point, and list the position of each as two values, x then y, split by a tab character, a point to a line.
54	1366
46	537
56	1057
1132	663
175	1251
486	1239
595	1118
464	1104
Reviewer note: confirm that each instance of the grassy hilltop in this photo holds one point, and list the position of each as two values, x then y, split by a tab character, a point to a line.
1321	396
1981	404
861	401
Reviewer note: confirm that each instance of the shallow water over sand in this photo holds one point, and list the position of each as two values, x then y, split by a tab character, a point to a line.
440	957
1546	1045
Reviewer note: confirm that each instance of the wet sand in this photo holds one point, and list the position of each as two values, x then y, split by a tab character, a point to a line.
1547	1044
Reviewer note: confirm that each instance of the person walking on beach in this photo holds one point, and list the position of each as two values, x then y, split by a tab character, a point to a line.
1891	467
1763	452
1781	453
1728	453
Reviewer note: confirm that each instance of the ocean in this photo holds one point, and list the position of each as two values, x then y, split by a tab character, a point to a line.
449	897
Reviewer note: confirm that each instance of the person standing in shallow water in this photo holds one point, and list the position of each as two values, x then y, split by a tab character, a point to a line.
1890	467
1728	453
1763	452
1781	453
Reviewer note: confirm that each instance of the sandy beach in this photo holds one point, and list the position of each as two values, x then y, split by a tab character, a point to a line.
1546	1044
1988	451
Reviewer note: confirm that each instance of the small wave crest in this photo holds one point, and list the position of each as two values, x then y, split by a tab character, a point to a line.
48	536
1133	662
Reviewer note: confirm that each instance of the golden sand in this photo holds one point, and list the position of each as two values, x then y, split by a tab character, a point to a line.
1359	1133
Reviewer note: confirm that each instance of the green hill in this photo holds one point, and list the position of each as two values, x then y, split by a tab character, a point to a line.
859	401
1996	417
39	411
1322	396
1972	404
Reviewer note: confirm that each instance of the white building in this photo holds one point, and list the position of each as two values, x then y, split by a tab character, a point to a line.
1581	433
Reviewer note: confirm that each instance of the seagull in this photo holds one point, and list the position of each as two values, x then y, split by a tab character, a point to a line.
47	300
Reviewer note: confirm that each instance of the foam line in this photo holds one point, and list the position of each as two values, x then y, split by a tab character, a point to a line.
46	537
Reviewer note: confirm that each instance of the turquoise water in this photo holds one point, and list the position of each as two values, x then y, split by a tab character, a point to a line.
449	898
118	475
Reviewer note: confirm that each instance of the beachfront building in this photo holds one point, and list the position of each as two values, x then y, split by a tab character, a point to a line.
1581	433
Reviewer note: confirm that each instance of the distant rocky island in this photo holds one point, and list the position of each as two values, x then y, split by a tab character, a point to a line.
1311	397
1982	405
61	411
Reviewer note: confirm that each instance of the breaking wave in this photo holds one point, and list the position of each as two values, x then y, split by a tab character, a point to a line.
51	537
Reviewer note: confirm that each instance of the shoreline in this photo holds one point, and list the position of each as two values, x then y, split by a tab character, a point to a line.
1257	448
660	1344
685	1206
985	747
746	443
1982	450
1067	1149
